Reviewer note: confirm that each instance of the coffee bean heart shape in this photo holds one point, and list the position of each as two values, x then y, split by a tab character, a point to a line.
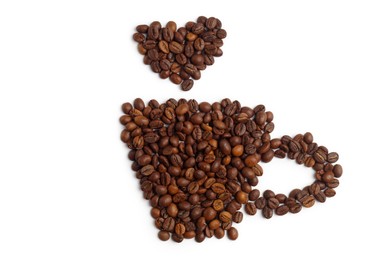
181	54
198	164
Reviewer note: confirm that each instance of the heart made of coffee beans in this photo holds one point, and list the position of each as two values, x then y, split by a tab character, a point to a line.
181	54
198	163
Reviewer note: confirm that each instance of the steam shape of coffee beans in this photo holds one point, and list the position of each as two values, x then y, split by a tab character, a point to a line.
197	164
180	54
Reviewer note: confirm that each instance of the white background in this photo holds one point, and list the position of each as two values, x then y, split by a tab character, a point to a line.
66	187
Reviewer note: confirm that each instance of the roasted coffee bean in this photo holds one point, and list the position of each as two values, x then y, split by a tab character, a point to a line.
164	235
273	203
260	203
308	201
242	197
254	194
187	84
237	217
282	210
337	170
267	212
321	196
232	233
296	208
250	208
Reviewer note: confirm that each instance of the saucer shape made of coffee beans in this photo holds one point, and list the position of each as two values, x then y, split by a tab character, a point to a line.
198	164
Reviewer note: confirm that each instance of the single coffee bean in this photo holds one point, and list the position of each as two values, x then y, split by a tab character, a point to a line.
163	235
332	157
308	202
337	170
260	203
281	198
321	197
329	192
232	233
267	194
267	212
272	203
237	217
187	84
250	208
242	197
225	216
282	210
254	194
296	208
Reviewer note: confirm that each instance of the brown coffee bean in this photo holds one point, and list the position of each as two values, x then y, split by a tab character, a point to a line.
225	216
308	201
273	203
321	197
328	176
214	224
296	208
250	208
232	233
329	192
254	194
187	84
281	198
242	197
282	210
237	217
337	170
267	212
260	203
175	78
163	235
209	213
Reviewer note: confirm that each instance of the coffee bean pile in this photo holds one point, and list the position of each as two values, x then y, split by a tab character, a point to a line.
198	163
181	54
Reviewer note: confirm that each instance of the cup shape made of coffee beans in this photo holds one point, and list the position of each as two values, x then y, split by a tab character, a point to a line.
180	54
198	165
197	162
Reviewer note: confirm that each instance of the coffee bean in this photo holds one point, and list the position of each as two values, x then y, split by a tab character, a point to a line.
260	203
282	210
296	208
232	233
332	157
328	176
254	194
267	212
337	170
237	217
225	216
187	84
281	198
308	201
272	203
242	197
163	235
321	197
250	208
